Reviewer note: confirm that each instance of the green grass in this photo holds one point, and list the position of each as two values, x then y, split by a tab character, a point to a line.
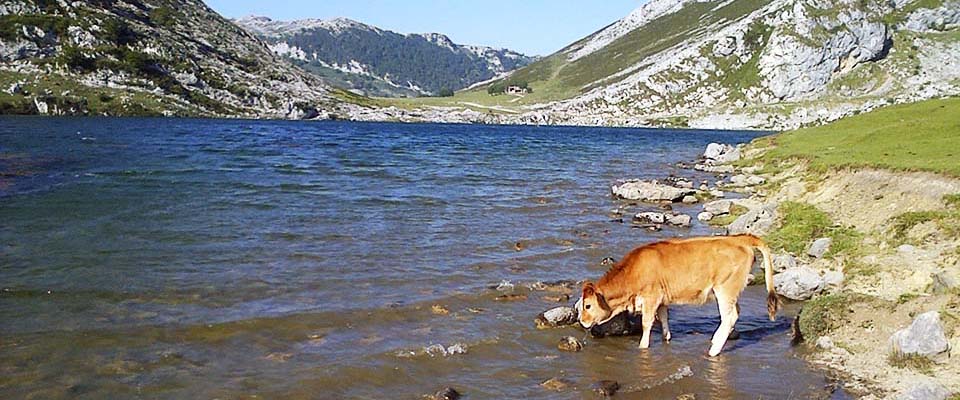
915	362
736	211
824	314
856	268
922	136
802	223
947	220
99	101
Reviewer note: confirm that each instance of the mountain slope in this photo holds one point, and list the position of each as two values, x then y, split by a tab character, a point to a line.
130	57
374	61
742	64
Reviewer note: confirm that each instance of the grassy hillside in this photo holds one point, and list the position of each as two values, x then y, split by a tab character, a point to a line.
922	136
144	57
556	78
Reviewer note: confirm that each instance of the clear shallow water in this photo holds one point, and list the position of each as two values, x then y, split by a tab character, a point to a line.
204	258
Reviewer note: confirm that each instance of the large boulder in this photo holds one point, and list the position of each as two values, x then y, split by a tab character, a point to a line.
721	153
650	191
819	247
718	207
925	391
757	221
924	337
679	220
799	283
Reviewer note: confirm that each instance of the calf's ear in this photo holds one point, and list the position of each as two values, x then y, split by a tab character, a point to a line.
588	289
602	301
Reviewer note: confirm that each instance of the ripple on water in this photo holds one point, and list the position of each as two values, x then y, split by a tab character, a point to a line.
223	259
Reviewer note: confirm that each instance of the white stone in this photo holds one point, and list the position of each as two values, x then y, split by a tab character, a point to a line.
923	337
650	191
799	283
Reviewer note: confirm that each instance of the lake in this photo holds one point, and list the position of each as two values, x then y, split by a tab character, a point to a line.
188	258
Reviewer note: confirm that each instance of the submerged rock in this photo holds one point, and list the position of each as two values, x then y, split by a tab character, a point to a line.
556	384
447	393
570	343
556	317
619	325
924	337
510	297
606	387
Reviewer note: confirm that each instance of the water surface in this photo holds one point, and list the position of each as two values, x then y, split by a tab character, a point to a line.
178	258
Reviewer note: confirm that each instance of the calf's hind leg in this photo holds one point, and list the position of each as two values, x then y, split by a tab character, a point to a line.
664	325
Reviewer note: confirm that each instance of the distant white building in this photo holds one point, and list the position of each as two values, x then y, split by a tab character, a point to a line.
514	89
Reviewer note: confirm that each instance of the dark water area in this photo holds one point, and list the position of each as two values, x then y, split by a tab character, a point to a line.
179	258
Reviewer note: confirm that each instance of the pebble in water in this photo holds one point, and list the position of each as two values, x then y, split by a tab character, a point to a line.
447	393
570	343
555	384
606	387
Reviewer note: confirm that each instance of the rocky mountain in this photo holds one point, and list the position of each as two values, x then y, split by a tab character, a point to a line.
373	61
153	57
746	64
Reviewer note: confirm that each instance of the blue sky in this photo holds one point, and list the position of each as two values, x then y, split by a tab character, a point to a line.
534	27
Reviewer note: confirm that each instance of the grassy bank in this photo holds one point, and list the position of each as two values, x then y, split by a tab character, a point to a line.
922	136
815	175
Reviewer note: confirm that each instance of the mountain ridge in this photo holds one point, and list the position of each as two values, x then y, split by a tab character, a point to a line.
146	57
372	60
736	64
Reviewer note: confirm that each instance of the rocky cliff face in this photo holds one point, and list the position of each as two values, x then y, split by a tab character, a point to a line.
375	61
129	57
750	63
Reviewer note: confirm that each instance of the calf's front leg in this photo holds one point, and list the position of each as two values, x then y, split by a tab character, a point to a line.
649	315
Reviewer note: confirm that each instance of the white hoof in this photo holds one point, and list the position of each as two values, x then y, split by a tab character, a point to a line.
714	352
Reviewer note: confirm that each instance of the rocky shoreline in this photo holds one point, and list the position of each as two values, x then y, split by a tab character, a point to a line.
877	340
881	338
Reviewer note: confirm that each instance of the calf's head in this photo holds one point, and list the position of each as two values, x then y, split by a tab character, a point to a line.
592	308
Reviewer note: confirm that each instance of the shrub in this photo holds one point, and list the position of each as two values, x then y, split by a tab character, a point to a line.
118	32
445	93
76	60
163	16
